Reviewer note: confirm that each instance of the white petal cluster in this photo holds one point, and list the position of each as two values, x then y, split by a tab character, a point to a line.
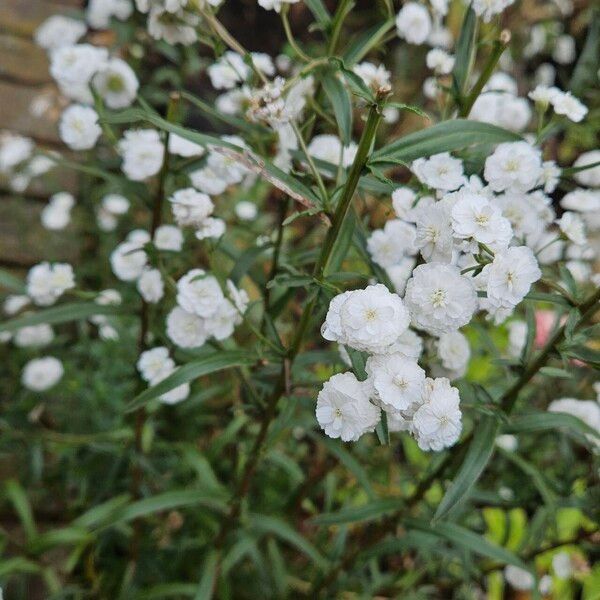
151	286
128	260
110	209
155	365
190	208
203	311
486	9
79	128
58	31
513	166
370	320
173	26
413	23
454	353
329	148
587	411
56	215
439	298
40	374
588	177
34	336
275	4
440	171
46	282
388	246
169	238
344	410
375	76
117	83
439	61
143	152
100	12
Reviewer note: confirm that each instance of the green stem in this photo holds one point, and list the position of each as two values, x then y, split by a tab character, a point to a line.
499	47
290	36
311	164
341	13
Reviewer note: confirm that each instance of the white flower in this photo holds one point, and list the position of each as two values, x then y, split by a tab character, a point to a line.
475	218
183	147
100	12
587	411
142	151
564	103
440	171
128	260
155	364
238	296
221	324
543	94
73	68
454	351
403	200
40	374
275	4
199	293
519	578
115	204
343	408
413	23
208	181
210	228
14	303
117	83
57	213
397	381
564	51
228	71
268	104
486	9
514	166
246	210
185	329
550	176
46	283
584	201
329	148
174	27
588	177
434	233
562	565
507	442
437	422
440	61
168	237
14	149
168	5
190	208
572	226
374	76
400	273
151	286
370	320
79	128
34	335
517	336
388	246
57	31
439	298
510	276
177	394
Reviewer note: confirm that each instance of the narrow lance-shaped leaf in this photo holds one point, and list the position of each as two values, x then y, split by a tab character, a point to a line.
549	421
366	41
209	576
10	282
340	102
464	50
478	454
585	75
190	371
447	136
63	313
368	512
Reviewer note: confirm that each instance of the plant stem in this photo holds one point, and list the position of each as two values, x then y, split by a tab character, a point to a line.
140	416
311	164
341	13
499	47
290	36
281	384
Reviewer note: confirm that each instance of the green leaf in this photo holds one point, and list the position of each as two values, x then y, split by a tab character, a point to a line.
383	433
245	262
249	159
555	372
169	501
217	361
10	282
18	565
478	454
98	516
342	244
464	538
356	84
446	136
340	102
63	313
280	529
350	463
549	421
18	498
465	47
366	41
585	75
369	512
168	590
319	11
530	337
533	474
543	297
585	354
60	537
209	577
